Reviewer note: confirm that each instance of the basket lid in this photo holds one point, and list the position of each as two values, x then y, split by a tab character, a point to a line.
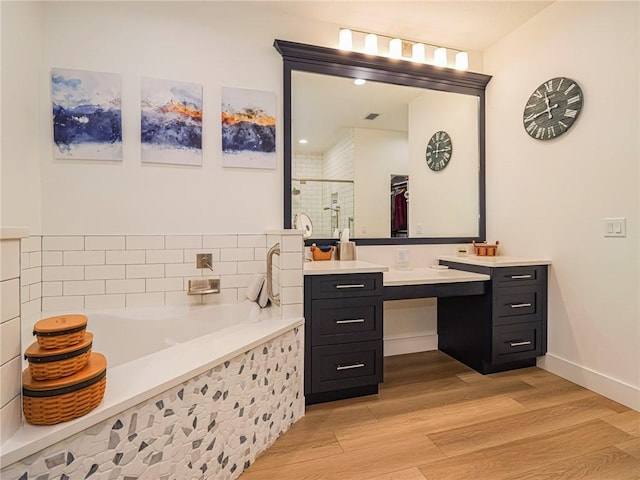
35	351
60	324
95	367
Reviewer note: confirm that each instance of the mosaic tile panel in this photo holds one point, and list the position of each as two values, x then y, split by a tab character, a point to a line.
212	426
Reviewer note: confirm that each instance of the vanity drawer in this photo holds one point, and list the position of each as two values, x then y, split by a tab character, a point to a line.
346	320
517	305
336	367
518	275
517	342
348	285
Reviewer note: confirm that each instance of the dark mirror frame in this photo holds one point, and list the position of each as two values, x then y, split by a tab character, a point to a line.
329	61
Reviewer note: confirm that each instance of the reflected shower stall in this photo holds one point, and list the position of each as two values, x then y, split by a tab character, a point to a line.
327	202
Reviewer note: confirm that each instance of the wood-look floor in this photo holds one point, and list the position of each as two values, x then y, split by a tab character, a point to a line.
436	419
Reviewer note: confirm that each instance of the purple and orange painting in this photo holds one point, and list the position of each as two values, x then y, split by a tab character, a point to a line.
87	115
248	128
171	122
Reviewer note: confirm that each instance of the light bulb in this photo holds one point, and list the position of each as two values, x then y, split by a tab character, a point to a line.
440	57
371	44
395	48
417	52
359	81
346	39
462	60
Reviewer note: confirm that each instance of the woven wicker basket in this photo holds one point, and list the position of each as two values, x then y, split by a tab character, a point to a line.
49	364
53	401
60	331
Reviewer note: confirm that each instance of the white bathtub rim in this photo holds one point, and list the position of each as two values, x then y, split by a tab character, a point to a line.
188	360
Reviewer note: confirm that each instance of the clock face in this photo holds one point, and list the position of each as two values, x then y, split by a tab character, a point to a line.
552	108
439	150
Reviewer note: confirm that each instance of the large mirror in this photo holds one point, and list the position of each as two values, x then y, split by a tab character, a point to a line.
356	155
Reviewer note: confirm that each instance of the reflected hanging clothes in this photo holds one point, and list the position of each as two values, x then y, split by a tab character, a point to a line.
399	211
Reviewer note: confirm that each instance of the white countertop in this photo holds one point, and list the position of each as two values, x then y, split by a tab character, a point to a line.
428	275
497	261
328	267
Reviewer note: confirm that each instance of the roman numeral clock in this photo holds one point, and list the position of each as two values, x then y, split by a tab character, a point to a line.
439	150
552	108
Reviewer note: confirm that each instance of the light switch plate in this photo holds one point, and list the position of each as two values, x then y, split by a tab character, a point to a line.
615	227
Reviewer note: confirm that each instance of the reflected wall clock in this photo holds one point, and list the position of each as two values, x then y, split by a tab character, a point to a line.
439	151
552	108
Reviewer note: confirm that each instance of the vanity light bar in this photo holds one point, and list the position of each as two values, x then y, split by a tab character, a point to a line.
402	48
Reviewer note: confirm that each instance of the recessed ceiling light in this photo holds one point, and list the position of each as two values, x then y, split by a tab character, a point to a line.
359	81
303	141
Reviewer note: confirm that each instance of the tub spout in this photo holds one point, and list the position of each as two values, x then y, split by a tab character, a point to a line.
204	287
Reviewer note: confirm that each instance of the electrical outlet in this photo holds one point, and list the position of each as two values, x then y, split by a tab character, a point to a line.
204	260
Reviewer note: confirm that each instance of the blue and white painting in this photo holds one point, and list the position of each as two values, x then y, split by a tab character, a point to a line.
171	122
87	114
248	128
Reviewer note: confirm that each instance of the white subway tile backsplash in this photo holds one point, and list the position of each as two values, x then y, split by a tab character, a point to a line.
104	272
10	380
35	259
223	268
291	261
35	290
251	241
59	304
125	257
291	243
182	241
290	295
260	253
291	278
145	271
134	300
31	308
83	287
24	260
51	259
293	310
84	257
226	295
62	243
9	259
31	244
220	241
255	266
30	276
182	270
10	296
235	281
24	294
9	340
51	289
165	256
236	254
145	242
164	284
10	417
63	273
134	285
104	242
98	302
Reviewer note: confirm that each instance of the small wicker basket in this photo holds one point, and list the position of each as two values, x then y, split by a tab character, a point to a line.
485	250
53	401
60	331
49	364
321	253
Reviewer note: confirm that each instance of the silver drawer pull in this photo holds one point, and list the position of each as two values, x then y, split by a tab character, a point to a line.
519	344
355	285
349	367
520	305
520	277
352	320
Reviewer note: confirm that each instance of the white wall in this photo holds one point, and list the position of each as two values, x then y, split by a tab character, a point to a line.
21	76
549	198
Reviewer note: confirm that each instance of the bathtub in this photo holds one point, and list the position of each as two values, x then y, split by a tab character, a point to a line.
160	359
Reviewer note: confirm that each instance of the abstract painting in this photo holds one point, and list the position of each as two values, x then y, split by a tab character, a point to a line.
87	115
171	122
248	128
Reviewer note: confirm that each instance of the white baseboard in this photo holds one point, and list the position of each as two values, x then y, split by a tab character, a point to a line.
400	345
612	388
